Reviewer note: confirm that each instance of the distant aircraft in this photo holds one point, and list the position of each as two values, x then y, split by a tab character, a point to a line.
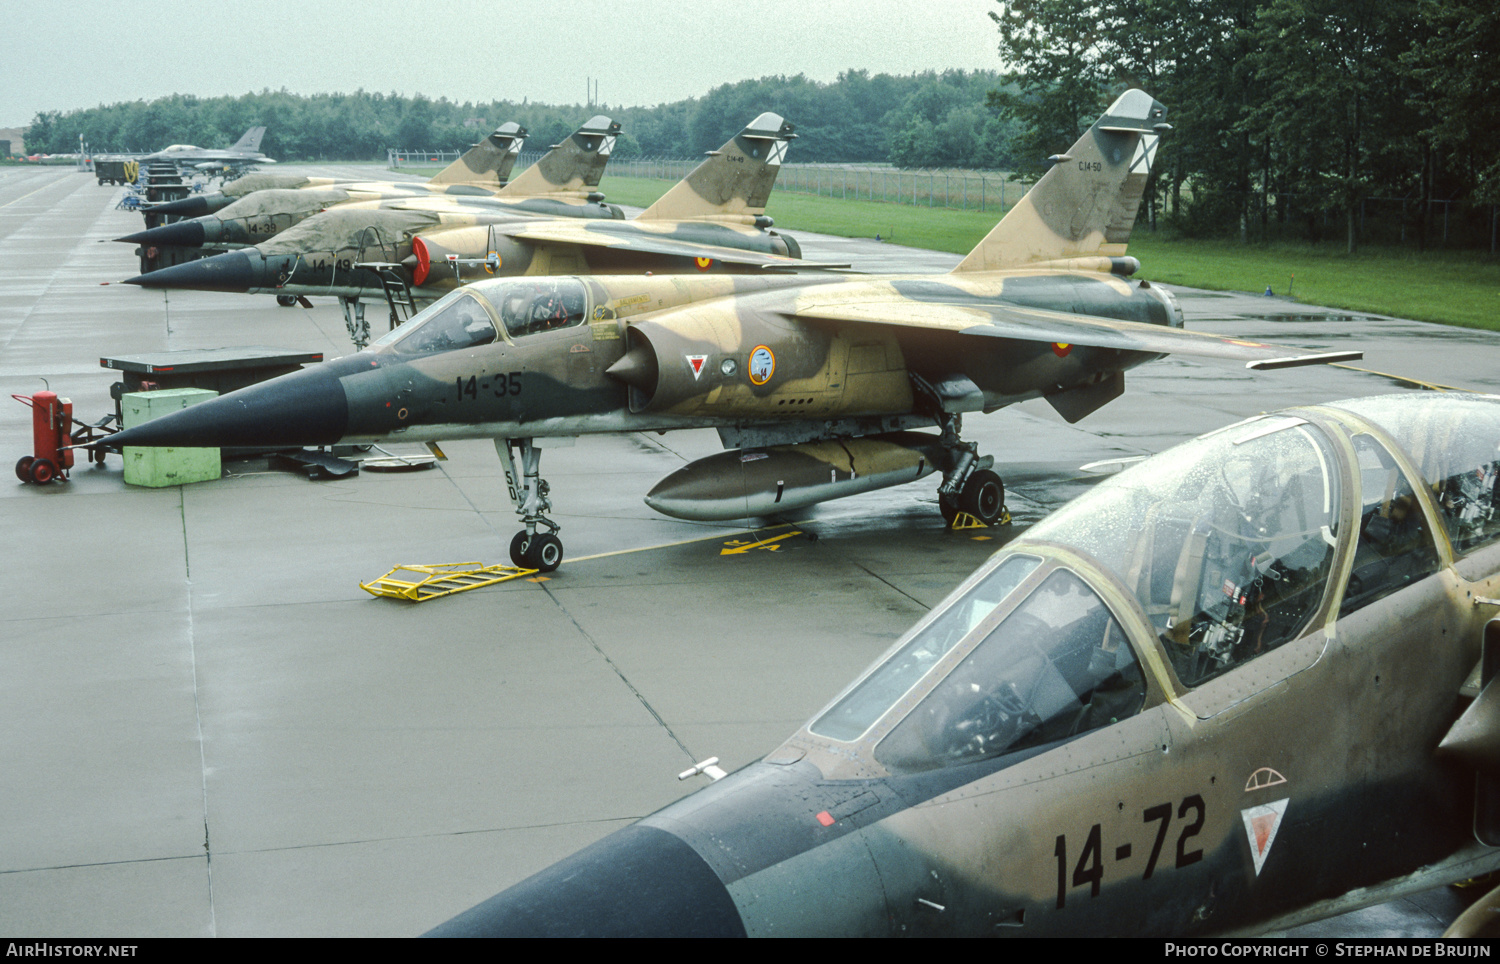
814	381
1245	684
422	247
566	176
244	154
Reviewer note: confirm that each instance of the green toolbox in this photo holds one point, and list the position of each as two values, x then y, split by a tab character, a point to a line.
158	467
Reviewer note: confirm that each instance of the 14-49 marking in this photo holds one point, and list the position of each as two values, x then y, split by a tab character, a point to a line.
1090	866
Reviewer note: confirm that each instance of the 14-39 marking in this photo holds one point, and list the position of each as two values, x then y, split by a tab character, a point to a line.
1089	870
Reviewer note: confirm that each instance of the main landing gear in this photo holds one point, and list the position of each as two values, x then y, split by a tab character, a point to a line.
969	485
530	548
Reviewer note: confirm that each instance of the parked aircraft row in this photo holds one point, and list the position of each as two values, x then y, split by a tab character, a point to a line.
1219	692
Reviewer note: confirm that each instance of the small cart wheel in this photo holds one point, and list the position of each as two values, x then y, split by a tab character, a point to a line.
23	468
43	471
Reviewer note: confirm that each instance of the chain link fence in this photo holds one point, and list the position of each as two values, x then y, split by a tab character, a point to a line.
958	189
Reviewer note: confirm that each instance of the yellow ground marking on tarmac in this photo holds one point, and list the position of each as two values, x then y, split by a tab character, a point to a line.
740	548
1431	386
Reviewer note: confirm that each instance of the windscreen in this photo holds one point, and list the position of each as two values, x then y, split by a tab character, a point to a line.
851	716
458	320
1058	665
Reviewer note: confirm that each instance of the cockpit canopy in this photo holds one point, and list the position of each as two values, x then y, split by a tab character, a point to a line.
468	316
1223	546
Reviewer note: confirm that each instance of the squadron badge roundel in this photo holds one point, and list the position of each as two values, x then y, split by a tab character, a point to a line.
762	365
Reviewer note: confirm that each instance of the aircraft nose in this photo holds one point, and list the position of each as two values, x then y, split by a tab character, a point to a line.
182	234
638	882
189	207
303	408
231	271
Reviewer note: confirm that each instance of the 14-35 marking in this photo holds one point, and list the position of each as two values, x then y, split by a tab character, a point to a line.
503	385
1090	866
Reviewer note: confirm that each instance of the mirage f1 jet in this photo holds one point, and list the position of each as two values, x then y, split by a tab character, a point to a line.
817	383
1248	683
561	184
417	249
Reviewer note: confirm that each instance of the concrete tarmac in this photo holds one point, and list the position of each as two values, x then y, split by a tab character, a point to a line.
212	730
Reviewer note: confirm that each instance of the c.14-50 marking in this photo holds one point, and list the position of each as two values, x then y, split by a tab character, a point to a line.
1090	867
503	385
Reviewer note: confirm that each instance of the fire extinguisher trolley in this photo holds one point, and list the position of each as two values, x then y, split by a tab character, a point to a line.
53	435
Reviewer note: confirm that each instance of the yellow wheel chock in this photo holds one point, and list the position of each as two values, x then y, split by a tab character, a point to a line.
420	583
964	520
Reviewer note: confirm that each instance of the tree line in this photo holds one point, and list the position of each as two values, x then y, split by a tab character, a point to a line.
923	120
1357	119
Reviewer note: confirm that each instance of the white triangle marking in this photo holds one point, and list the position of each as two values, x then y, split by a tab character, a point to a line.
1261	825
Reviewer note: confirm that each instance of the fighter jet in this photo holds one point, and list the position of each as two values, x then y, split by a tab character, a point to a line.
816	382
417	249
244	153
1245	684
565	176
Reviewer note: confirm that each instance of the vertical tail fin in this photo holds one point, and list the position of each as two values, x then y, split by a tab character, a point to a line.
734	181
572	167
250	140
1086	205
487	163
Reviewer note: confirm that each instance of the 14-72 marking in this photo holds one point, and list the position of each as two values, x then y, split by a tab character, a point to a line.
1089	870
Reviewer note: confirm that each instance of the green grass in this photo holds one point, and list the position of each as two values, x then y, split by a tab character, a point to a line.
1450	287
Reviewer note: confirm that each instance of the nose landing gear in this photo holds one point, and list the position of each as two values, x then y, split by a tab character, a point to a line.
528	491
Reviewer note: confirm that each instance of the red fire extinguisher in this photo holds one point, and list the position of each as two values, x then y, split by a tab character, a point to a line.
51	418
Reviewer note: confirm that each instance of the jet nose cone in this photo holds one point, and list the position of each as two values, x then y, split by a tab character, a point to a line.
181	234
189	207
304	408
638	882
230	271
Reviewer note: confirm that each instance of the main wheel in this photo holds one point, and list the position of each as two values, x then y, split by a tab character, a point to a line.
23	468
518	547
286	301
545	552
948	506
984	497
43	471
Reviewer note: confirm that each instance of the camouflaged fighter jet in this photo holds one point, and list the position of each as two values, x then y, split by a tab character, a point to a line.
815	381
1245	684
557	186
416	249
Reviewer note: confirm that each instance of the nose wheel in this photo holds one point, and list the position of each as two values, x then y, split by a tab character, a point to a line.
530	548
541	551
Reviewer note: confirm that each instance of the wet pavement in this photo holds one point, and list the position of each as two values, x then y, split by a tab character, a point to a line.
212	730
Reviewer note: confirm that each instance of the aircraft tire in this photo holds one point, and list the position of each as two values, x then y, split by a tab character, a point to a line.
545	552
23	468
984	497
518	548
286	301
949	508
43	471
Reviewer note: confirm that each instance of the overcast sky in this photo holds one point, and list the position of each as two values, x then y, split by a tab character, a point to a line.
63	56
